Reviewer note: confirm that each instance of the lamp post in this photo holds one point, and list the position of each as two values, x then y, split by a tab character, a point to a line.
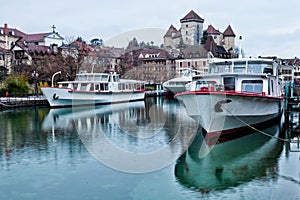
35	75
52	82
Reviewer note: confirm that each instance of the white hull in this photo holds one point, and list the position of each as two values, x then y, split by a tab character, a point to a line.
61	97
221	113
177	85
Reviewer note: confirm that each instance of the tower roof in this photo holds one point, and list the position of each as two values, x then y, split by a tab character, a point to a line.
192	16
171	30
212	31
229	32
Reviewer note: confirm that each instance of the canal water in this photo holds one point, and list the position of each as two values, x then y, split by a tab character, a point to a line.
140	150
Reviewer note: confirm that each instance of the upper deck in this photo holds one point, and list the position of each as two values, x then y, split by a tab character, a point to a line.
243	66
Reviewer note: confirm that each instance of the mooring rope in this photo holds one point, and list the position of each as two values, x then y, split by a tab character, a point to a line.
262	132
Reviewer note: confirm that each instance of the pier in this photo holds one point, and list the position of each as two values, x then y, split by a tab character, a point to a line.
292	116
14	101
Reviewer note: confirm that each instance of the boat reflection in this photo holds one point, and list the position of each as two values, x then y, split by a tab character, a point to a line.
134	137
205	168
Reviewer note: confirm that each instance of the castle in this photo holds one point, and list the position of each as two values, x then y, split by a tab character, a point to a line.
220	44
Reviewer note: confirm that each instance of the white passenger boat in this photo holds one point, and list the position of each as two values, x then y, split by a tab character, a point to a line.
236	93
177	84
94	89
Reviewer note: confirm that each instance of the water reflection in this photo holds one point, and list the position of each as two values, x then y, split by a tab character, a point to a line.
228	164
133	137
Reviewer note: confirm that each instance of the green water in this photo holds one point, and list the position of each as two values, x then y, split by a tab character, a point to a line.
140	150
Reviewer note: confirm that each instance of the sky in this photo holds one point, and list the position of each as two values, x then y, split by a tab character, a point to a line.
268	27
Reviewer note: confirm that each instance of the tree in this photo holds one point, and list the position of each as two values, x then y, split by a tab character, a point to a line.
133	44
16	84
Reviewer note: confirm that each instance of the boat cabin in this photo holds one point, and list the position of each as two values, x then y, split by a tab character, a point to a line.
96	82
241	75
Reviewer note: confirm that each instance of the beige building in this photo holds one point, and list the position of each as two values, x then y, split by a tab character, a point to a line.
190	33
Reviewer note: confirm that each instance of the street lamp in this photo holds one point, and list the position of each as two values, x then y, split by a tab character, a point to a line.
35	75
52	82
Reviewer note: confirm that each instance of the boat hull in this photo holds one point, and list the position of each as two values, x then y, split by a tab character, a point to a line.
61	97
225	112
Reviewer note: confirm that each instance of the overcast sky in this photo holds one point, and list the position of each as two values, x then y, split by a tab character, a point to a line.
268	27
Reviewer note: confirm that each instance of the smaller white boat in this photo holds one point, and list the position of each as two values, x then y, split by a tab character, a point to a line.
94	89
177	84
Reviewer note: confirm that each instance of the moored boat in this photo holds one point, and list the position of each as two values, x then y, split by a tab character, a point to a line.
177	84
94	89
236	93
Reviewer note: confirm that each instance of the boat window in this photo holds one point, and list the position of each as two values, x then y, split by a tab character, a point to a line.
103	86
200	84
239	67
252	86
83	86
115	78
207	84
97	78
229	83
254	67
104	78
221	67
268	70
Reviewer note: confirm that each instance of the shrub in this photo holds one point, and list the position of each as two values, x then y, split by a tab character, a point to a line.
16	84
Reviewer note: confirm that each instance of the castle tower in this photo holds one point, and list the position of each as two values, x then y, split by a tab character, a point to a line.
191	28
229	37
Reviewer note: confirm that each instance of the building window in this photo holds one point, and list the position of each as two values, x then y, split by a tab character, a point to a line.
187	25
186	32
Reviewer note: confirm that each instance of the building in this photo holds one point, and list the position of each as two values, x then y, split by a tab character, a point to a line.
19	49
190	32
193	57
221	44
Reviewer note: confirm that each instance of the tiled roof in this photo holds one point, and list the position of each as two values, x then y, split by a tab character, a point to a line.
210	45
36	37
192	16
211	30
229	32
194	51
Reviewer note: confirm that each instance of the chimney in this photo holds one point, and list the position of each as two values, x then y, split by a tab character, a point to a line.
5	29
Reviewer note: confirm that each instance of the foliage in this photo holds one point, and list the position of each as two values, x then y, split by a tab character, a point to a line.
16	84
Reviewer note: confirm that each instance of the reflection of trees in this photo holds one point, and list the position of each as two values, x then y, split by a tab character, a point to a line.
21	131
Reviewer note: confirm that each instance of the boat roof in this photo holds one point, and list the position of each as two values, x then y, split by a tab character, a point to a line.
216	60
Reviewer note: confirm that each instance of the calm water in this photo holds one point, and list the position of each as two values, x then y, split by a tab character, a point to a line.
140	150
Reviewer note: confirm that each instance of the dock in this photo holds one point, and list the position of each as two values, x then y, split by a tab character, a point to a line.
292	116
15	101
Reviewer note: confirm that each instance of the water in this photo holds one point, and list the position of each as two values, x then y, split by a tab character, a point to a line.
140	150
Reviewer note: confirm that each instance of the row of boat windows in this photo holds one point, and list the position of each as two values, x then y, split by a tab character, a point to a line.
242	67
100	77
255	86
100	86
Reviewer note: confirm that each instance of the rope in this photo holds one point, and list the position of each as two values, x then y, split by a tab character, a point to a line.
264	133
